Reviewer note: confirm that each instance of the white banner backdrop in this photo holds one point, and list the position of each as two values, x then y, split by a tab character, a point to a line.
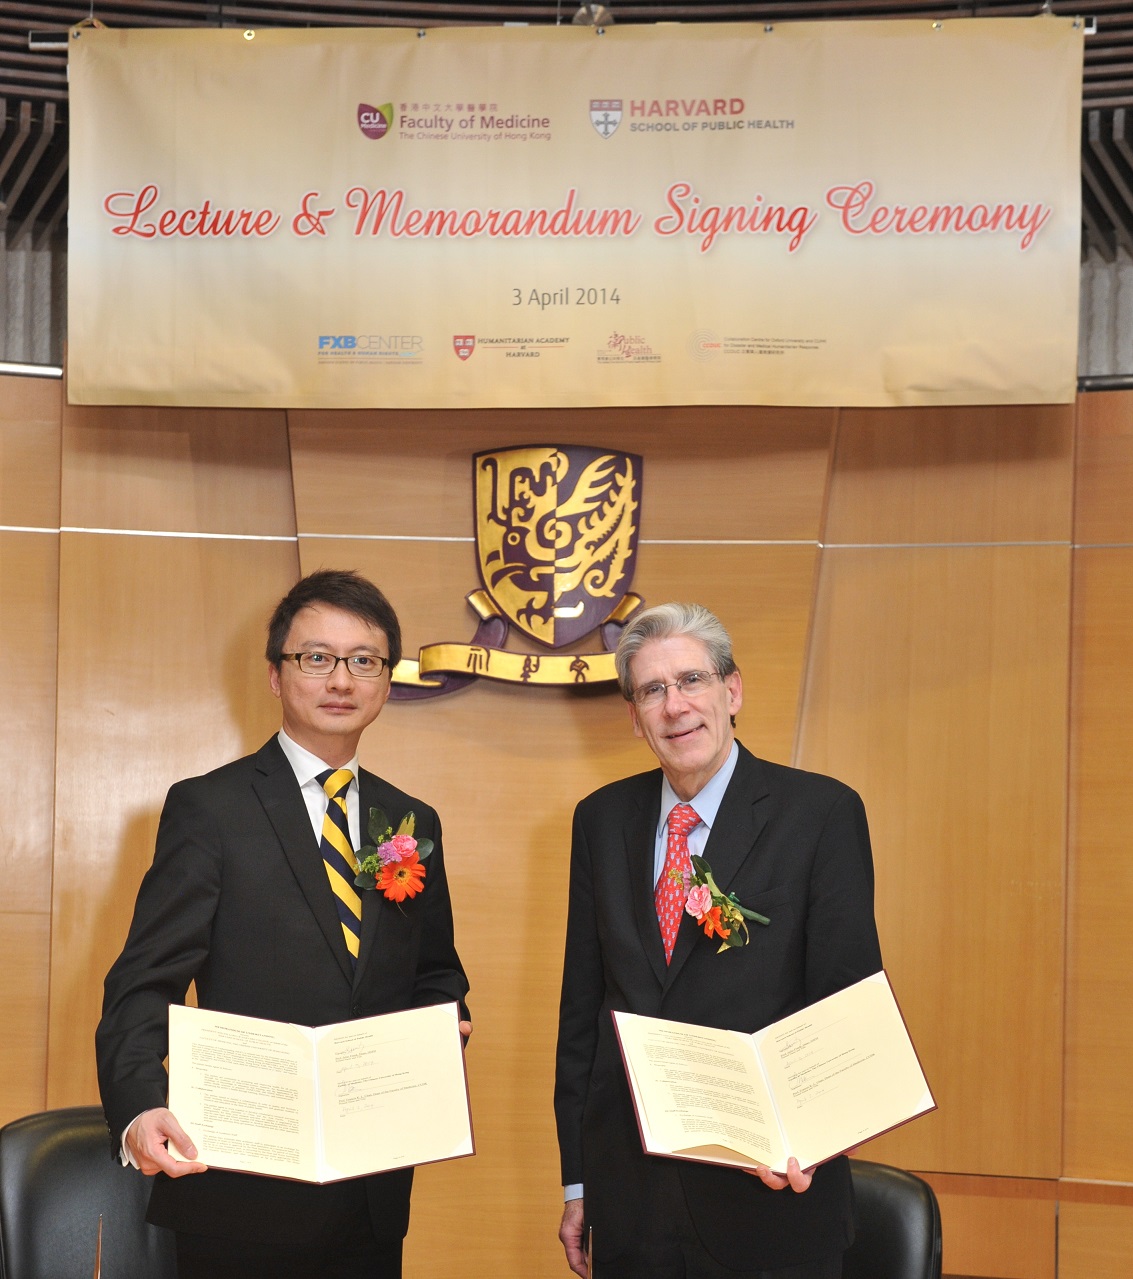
865	213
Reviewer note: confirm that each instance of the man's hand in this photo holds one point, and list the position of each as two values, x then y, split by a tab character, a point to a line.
146	1138
570	1236
798	1179
465	1030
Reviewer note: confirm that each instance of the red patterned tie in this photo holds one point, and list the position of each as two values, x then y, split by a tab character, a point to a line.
671	893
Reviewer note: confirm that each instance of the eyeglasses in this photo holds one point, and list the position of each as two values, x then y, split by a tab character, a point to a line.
360	665
692	684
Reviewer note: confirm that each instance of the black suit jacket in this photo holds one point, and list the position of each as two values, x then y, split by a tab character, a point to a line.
238	900
793	846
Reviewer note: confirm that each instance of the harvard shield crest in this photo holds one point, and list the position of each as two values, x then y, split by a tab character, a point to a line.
605	115
556	535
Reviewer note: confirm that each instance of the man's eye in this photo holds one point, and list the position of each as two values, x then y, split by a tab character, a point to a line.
362	663
653	690
693	679
317	659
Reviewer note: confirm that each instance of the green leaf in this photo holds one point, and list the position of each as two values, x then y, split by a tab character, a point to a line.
407	824
379	826
365	880
701	866
424	848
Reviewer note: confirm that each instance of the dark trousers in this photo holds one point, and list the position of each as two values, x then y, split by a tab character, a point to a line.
673	1250
349	1252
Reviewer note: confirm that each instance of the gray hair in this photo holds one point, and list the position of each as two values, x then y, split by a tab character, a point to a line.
664	621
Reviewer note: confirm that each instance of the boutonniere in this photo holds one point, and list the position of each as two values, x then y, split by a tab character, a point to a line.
392	860
717	912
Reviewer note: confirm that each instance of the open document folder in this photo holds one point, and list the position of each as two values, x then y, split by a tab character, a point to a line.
812	1085
320	1104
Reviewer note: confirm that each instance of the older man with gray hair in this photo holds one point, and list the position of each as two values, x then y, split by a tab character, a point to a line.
790	845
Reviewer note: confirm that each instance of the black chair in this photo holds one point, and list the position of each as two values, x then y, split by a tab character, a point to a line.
56	1178
898	1225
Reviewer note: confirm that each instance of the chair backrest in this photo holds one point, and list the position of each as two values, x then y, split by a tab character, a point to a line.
57	1176
898	1225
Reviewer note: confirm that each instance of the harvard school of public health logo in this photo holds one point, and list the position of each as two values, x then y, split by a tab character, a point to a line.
556	544
463	344
605	115
375	122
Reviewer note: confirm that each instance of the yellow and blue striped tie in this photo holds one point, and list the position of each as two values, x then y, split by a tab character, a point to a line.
338	856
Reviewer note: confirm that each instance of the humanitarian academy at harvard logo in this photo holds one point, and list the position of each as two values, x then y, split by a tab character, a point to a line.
605	115
556	545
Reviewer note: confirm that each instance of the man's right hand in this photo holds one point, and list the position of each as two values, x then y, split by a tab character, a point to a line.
570	1236
146	1138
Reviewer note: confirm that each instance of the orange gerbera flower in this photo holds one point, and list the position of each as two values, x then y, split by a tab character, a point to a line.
402	879
712	924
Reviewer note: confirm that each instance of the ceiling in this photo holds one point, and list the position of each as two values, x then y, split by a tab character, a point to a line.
33	77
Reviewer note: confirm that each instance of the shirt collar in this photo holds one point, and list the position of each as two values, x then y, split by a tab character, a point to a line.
306	766
708	799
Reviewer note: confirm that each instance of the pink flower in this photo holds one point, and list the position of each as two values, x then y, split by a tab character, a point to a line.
699	901
405	844
396	849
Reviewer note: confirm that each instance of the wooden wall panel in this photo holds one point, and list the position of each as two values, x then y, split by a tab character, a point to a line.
29	499
30	409
1099	988
937	687
997	1228
161	661
162	676
709	473
506	765
1095	1241
179	470
25	940
1104	471
952	475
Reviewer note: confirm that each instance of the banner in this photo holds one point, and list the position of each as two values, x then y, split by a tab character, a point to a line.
856	213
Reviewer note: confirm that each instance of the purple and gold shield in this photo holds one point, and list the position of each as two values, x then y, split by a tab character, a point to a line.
556	535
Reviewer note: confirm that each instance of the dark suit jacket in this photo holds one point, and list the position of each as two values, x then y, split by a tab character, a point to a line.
238	900
793	846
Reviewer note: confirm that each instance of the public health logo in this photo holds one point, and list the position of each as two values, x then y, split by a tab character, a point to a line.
375	122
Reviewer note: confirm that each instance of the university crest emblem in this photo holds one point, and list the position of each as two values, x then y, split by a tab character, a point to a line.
605	115
463	344
556	536
556	543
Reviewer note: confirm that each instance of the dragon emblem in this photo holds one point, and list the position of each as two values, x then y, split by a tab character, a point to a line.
556	535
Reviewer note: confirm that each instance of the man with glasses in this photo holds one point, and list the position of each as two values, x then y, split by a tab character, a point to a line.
790	845
251	896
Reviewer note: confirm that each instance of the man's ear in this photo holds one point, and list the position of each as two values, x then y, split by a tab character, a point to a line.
634	720
273	678
735	686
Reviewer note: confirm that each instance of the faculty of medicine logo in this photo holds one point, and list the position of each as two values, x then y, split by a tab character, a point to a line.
605	115
556	544
463	345
375	121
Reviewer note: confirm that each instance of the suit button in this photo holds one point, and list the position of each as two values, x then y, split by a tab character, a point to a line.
356	1011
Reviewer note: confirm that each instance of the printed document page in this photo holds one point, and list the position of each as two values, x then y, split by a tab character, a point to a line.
242	1089
843	1070
811	1085
392	1092
699	1092
320	1104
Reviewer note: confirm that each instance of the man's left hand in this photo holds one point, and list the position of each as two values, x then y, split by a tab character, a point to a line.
465	1030
797	1178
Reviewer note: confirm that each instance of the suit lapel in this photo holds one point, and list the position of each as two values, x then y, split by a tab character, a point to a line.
741	817
279	792
374	904
641	842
